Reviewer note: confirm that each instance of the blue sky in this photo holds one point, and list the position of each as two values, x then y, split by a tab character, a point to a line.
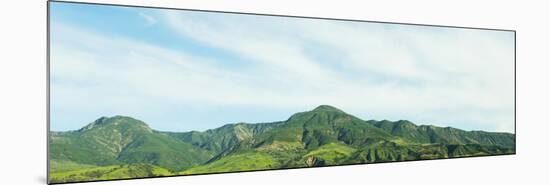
186	70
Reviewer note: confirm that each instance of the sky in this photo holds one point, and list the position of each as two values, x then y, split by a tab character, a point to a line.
180	70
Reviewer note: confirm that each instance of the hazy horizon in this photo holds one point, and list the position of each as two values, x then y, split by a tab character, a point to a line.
189	70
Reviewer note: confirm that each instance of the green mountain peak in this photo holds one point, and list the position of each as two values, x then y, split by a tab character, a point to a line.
405	123
324	110
116	121
327	108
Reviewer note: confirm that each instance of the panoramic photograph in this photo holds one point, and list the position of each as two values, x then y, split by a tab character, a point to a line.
141	92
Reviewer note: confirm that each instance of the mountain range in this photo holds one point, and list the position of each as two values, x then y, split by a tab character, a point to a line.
122	147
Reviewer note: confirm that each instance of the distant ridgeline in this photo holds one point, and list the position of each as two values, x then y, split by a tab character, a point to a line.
123	147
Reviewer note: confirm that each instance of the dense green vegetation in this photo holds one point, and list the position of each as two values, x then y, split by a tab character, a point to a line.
123	147
238	162
124	140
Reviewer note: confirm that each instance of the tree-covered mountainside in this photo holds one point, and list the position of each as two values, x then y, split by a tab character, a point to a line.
124	140
123	147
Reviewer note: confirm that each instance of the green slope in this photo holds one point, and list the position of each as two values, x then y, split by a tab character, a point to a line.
237	162
434	134
329	154
321	126
109	172
225	137
61	165
123	140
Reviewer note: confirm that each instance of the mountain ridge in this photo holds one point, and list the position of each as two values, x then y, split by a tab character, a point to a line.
322	136
317	109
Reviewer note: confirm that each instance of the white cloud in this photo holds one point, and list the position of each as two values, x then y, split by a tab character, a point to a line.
442	77
150	20
406	68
